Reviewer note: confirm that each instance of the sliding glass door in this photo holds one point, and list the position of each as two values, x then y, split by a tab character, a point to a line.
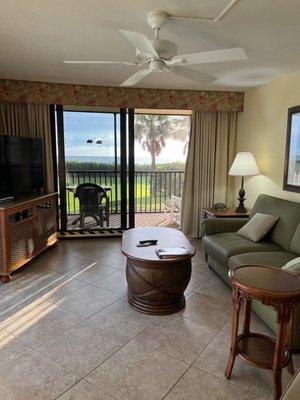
94	172
135	160
161	144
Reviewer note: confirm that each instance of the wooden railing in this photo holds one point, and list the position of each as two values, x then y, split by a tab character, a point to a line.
152	188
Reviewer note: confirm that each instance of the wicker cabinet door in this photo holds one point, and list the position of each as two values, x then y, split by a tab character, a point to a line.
45	228
21	241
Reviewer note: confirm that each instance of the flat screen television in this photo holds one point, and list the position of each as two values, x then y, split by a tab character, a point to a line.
21	165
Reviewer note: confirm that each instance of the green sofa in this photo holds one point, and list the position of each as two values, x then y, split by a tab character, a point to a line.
224	249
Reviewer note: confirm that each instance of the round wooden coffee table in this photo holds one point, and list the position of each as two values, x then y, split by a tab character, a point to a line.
156	286
273	287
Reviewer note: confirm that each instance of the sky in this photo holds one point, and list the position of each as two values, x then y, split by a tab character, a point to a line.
81	126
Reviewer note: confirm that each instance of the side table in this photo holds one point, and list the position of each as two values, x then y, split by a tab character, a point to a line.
273	287
230	213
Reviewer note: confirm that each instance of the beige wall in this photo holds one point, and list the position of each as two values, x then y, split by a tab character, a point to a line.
262	130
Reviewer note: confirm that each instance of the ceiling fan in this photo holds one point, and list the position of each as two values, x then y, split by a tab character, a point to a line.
157	54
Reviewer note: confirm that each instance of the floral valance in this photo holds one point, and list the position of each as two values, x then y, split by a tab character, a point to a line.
103	96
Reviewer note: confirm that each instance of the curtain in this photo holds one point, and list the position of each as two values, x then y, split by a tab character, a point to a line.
211	151
226	135
32	120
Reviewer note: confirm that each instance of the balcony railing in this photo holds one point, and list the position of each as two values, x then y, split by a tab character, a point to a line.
152	188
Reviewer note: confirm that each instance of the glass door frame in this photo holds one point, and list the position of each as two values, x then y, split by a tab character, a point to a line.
127	168
131	169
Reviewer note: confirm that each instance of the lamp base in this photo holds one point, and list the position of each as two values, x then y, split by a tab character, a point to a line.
241	208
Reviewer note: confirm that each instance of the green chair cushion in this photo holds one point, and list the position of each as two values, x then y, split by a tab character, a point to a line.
295	243
222	246
273	259
289	218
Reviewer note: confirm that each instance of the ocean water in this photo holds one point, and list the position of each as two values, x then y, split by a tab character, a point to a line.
104	159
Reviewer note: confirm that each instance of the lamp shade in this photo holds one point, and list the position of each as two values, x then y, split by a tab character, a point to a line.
244	164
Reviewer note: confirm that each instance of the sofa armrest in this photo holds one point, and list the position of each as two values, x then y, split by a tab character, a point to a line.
220	225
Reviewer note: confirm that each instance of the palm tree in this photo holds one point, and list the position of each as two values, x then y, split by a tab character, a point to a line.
181	131
152	131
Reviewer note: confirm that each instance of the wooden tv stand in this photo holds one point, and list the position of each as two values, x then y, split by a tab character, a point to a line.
27	227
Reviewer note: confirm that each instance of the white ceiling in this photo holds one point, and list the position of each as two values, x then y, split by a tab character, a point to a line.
36	35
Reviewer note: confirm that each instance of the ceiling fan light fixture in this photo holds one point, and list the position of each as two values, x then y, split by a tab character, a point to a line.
165	50
156	65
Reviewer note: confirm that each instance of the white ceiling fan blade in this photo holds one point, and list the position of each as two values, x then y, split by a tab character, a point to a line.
197	76
99	62
234	54
135	78
141	42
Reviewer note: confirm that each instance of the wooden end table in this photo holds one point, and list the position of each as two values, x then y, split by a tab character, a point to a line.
273	287
156	286
230	213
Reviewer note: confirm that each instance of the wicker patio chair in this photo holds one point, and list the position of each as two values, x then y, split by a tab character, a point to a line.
91	196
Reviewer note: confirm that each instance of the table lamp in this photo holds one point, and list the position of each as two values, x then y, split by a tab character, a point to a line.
243	165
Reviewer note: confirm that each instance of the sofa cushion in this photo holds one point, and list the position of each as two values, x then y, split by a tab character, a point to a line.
289	213
295	243
222	246
219	225
272	258
258	226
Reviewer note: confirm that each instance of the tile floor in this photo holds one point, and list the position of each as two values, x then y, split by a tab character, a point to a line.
67	332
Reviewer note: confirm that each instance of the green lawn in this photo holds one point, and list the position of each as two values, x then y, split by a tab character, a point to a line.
143	199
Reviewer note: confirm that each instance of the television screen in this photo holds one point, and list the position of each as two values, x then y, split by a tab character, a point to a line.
21	165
